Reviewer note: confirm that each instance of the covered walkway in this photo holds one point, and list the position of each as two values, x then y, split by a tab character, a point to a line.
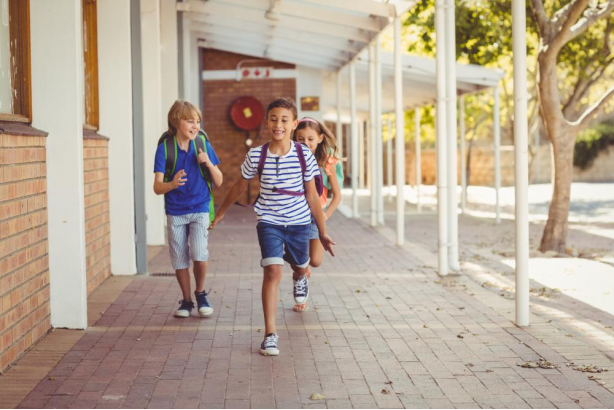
384	330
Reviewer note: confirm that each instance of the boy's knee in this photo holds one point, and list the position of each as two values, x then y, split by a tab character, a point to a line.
273	272
299	270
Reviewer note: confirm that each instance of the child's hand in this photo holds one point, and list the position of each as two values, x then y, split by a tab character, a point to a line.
327	243
179	179
203	158
216	220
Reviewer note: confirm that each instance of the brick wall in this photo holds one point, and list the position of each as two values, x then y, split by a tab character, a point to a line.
228	141
97	226
24	259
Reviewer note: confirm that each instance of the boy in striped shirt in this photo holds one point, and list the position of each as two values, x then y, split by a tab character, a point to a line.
287	200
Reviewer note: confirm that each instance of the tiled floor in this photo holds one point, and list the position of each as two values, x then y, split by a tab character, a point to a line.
382	331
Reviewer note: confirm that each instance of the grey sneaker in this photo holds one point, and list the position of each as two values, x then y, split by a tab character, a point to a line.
301	290
269	345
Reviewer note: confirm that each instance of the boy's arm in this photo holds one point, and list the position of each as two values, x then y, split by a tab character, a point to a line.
235	192
160	187
216	175
311	194
334	186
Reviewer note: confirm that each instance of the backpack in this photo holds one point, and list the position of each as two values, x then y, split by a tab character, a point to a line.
338	174
170	156
301	160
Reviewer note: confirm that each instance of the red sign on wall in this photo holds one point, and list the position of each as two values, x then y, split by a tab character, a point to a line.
255	73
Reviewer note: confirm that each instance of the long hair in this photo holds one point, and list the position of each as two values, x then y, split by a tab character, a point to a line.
328	146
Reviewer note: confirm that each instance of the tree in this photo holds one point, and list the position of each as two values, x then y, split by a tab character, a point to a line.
573	62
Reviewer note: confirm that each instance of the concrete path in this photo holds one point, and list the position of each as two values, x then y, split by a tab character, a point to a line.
382	331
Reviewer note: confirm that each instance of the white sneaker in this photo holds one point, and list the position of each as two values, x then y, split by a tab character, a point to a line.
185	310
269	345
301	290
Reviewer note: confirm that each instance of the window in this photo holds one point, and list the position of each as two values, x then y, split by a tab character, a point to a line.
15	95
90	58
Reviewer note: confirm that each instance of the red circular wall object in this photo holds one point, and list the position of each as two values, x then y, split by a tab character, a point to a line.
247	113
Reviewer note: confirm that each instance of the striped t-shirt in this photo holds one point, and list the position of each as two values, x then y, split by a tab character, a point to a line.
282	172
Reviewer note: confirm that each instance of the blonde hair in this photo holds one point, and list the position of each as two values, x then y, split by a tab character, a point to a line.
328	146
181	110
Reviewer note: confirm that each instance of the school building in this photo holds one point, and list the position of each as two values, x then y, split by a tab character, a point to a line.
85	86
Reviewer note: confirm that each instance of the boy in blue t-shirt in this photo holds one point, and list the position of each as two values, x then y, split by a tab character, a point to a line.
186	199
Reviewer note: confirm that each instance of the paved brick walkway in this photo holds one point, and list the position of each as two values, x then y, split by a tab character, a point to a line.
382	331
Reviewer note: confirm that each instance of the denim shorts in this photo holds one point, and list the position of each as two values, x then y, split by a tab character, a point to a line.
314	233
279	243
187	238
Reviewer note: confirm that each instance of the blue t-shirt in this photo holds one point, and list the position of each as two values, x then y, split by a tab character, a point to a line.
194	196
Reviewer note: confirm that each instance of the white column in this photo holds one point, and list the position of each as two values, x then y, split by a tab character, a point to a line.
521	161
389	157
463	155
497	151
169	54
339	124
442	184
400	132
152	110
418	158
362	161
57	107
451	132
186	46
379	140
354	139
115	91
372	138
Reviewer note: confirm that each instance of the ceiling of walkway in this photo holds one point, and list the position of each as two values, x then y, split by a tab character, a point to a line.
324	34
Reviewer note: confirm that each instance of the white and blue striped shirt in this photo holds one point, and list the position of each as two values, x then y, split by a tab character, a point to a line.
281	172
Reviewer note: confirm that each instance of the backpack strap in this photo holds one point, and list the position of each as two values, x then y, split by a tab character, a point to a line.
262	160
201	142
170	153
301	160
301	156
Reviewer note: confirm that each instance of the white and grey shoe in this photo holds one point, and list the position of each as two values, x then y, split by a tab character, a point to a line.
204	306
269	345
185	309
301	290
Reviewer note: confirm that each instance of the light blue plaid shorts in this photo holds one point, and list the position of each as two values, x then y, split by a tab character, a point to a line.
188	238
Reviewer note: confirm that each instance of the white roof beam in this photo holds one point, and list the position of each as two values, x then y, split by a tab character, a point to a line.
362	6
306	12
321	40
215	33
271	53
292	23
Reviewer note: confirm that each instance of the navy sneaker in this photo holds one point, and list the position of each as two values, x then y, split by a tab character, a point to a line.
269	345
204	306
185	309
301	290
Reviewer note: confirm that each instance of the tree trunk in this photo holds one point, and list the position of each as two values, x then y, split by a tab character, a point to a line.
555	233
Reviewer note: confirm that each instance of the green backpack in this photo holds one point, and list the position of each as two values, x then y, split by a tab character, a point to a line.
170	156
